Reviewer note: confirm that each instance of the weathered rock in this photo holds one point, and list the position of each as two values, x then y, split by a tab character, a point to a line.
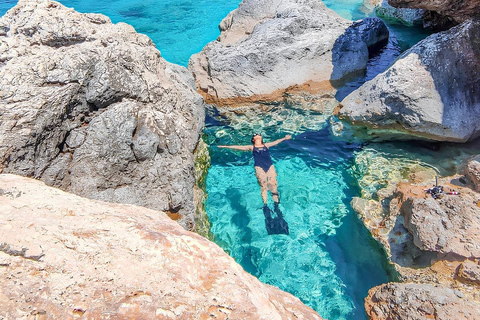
94	109
448	225
62	256
414	301
457	10
472	171
432	91
269	48
469	271
405	15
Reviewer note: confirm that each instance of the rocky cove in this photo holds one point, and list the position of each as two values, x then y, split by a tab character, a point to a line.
92	108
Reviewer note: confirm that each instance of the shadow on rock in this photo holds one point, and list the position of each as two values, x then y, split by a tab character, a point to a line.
352	49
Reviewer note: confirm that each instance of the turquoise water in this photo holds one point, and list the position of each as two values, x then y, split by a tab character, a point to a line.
329	260
179	28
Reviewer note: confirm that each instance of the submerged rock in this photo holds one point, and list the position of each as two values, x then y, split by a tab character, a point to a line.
63	256
94	109
418	301
432	91
267	49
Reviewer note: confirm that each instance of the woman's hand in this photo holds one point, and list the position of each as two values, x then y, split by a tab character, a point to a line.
288	137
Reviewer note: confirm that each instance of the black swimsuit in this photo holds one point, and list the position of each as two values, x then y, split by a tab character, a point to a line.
262	158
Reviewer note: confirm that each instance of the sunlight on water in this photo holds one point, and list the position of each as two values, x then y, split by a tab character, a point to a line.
328	260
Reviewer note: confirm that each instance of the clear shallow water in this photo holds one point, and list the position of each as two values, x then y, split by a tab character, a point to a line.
329	260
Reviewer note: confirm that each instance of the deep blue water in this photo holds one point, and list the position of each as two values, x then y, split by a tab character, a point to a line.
329	260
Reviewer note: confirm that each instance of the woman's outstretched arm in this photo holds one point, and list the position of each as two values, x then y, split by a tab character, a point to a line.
274	143
241	148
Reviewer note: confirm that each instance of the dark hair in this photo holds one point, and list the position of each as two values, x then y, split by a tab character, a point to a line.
256	134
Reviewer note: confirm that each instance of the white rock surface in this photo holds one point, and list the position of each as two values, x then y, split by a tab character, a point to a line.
267	48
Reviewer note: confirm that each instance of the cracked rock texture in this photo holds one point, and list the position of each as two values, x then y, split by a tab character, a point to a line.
432	91
269	48
92	108
63	256
449	225
418	302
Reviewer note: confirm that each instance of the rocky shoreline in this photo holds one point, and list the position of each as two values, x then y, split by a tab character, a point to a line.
92	108
63	257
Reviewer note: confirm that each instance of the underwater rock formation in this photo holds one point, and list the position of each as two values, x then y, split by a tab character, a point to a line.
269	48
415	301
63	256
92	108
456	10
432	91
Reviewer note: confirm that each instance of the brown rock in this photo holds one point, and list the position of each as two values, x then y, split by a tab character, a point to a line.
469	271
450	224
416	301
62	256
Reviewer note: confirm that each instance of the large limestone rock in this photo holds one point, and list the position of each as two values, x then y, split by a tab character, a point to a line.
94	109
418	302
63	256
432	91
269	48
449	225
457	10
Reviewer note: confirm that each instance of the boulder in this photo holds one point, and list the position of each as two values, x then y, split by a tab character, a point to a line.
455	10
63	257
419	301
446	225
472	171
269	48
431	92
405	15
92	107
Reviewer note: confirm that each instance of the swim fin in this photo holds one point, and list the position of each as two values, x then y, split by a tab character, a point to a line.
276	225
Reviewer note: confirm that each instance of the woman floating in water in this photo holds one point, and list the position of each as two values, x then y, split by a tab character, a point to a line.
267	179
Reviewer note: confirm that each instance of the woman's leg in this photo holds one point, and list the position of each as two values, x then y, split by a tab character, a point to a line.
262	181
272	183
